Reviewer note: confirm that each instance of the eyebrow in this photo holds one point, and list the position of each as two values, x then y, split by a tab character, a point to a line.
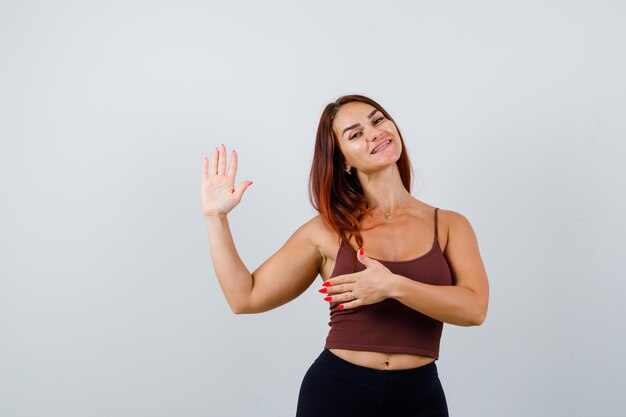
369	116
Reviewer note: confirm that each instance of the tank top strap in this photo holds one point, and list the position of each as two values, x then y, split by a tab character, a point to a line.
436	232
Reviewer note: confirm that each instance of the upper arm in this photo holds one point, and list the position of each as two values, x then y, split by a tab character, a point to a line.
288	272
463	256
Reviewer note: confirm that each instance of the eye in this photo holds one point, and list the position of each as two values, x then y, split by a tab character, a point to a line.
376	122
355	135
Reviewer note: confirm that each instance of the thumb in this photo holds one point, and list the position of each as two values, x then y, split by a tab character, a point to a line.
241	188
363	258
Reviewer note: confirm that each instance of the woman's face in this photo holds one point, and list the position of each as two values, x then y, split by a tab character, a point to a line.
368	140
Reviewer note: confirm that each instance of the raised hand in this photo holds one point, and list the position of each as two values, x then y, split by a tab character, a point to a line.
217	193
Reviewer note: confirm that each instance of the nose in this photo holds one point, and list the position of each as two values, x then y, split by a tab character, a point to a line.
375	135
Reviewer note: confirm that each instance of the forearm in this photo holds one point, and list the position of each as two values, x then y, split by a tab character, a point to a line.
449	304
233	276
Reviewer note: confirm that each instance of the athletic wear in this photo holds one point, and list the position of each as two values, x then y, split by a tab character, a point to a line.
389	326
334	387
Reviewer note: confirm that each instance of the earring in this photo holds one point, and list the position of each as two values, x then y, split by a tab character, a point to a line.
348	170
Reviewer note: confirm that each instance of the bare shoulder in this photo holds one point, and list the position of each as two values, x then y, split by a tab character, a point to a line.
319	234
457	228
315	230
452	218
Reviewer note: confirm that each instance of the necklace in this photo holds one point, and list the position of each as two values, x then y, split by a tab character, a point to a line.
400	206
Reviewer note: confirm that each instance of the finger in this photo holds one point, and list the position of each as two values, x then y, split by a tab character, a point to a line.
241	188
338	289
349	305
221	164
214	162
364	259
332	281
232	169
339	279
340	298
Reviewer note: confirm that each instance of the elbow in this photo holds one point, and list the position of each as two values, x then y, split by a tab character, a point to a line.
471	321
240	304
246	309
478	318
238	309
473	318
477	314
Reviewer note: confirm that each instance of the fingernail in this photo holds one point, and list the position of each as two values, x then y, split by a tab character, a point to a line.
326	284
361	251
324	290
328	298
340	306
250	183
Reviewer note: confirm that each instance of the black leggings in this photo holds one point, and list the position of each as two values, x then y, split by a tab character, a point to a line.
334	387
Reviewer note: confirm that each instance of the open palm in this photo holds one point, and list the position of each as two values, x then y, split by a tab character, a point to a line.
217	193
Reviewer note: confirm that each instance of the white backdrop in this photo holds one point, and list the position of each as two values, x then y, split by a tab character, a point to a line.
513	115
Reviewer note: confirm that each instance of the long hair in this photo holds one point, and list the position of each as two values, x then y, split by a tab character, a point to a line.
335	194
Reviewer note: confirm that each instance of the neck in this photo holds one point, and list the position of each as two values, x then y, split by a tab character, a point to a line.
384	190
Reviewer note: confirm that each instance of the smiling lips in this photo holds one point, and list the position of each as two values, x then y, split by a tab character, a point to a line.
382	145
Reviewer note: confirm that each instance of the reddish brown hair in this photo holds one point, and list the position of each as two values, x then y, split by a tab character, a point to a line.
335	194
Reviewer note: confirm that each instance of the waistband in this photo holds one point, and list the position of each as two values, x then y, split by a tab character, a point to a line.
397	380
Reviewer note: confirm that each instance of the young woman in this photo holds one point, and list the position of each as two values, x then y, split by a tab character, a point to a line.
394	268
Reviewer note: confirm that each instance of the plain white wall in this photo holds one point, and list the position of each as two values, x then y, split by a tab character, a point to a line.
513	115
